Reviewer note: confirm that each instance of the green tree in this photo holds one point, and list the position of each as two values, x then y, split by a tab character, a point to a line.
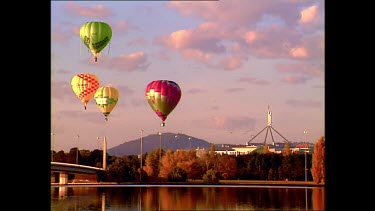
211	176
177	174
73	157
117	170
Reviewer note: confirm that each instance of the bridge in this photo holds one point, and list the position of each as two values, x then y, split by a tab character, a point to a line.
64	171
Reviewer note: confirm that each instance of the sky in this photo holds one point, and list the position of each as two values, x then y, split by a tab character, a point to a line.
233	60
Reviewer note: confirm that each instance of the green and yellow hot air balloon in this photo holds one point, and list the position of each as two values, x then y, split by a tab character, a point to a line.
95	35
106	99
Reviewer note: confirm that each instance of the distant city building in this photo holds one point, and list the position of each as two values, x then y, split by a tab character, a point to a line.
247	149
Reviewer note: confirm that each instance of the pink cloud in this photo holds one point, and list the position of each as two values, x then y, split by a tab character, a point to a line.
218	121
242	30
231	63
179	39
250	37
96	11
204	38
232	123
248	12
309	14
197	55
129	62
300	52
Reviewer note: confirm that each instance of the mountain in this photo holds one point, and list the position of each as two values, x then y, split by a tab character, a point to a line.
171	141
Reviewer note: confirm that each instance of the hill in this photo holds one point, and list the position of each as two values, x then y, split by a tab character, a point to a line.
152	142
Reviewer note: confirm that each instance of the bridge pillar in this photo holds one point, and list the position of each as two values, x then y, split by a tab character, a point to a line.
63	192
105	154
63	178
55	177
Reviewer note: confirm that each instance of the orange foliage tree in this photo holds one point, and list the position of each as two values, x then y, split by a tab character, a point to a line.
266	149
178	158
318	164
287	149
227	166
152	163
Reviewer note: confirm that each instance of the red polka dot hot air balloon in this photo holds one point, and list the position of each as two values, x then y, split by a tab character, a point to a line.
85	85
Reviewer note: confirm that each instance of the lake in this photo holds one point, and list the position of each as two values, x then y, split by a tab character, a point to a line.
186	197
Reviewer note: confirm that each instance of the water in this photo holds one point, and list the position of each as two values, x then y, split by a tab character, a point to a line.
189	197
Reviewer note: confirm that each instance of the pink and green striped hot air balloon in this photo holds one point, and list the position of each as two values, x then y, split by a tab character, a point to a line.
163	96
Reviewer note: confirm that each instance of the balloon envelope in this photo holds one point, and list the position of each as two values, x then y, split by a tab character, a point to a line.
163	96
84	85
106	99
95	35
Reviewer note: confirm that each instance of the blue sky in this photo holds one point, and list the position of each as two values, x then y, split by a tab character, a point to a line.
232	60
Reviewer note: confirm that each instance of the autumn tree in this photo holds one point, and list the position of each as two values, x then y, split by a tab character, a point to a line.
318	164
179	158
168	163
266	149
192	167
227	166
152	163
287	149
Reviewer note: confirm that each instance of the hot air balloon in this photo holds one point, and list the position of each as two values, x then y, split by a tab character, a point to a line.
84	85
106	99
163	96
95	35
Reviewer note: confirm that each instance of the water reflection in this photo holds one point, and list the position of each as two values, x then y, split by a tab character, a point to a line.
187	198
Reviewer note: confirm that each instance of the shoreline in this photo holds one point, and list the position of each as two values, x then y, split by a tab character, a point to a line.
197	183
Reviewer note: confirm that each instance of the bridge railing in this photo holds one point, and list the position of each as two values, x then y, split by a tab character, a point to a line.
75	165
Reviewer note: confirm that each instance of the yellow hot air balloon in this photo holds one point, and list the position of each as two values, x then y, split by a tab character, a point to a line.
84	85
95	35
106	99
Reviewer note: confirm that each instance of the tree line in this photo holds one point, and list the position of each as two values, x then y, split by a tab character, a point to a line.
181	165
